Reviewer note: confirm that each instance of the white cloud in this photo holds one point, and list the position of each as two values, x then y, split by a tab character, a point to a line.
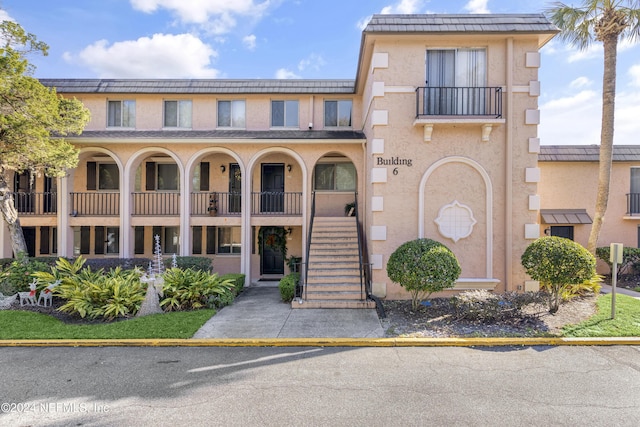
581	82
571	120
200	11
477	6
313	62
161	56
403	7
634	73
249	41
4	16
283	73
577	119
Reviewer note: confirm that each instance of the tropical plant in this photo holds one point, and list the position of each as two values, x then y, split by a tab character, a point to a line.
93	294
33	120
422	267
190	289
558	263
605	21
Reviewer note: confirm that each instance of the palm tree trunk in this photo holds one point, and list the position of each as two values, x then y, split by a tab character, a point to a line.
606	138
10	216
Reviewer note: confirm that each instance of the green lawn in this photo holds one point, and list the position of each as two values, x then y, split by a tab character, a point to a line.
18	325
625	324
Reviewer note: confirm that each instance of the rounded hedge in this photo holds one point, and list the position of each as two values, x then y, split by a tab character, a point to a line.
555	260
423	266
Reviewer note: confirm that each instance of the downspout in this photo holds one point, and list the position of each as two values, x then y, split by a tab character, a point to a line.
509	170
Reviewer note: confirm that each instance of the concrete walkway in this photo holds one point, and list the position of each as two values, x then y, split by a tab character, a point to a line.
258	312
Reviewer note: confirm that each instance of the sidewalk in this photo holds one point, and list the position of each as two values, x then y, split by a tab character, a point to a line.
258	312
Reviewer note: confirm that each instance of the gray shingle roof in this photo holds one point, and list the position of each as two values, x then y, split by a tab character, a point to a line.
586	153
201	86
436	23
223	134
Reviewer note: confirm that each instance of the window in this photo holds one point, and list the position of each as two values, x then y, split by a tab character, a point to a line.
171	240
337	113
108	176
107	240
634	192
335	177
177	114
223	240
284	114
231	114
448	69
162	176
121	114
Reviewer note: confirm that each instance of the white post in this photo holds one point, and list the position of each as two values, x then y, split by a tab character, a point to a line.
615	257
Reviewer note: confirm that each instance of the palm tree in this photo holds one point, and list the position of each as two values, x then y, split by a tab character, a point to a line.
605	21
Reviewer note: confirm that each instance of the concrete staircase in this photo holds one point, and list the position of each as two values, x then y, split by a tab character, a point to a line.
333	279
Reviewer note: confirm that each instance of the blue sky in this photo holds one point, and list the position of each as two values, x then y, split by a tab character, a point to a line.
298	39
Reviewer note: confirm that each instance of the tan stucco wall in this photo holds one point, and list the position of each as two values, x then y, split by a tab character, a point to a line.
573	185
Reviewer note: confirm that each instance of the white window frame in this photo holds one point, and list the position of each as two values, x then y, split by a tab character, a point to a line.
177	177
99	178
335	180
338	115
235	121
180	119
127	117
287	105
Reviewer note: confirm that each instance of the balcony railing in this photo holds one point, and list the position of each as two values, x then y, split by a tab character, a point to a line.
95	204
276	203
155	204
459	101
35	203
633	203
222	204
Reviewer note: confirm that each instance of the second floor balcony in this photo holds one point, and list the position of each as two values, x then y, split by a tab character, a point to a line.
168	203
27	203
459	102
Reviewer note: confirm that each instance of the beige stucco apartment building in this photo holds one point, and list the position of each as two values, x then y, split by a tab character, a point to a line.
435	137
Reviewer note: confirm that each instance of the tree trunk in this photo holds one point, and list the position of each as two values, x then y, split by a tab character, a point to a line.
606	138
10	216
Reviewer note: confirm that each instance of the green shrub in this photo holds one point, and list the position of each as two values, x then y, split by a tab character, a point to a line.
237	279
113	263
487	307
192	289
558	263
94	294
287	286
18	274
630	259
192	262
422	267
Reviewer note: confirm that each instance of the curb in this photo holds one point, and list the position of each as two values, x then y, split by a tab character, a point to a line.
327	342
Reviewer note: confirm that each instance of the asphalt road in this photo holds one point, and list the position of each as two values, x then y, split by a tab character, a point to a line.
271	386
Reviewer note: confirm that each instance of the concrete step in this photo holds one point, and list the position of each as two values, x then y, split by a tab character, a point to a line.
332	295
315	279
333	287
337	264
332	304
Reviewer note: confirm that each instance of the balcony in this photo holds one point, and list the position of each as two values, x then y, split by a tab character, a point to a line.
222	204
459	105
633	204
155	204
95	204
276	203
35	203
459	101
